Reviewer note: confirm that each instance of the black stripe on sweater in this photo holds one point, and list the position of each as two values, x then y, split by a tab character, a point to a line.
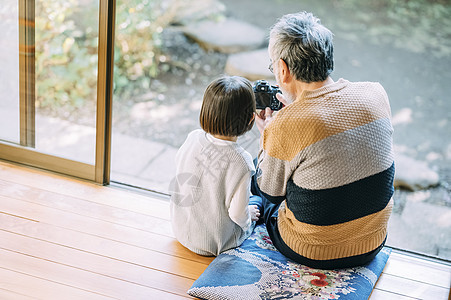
341	204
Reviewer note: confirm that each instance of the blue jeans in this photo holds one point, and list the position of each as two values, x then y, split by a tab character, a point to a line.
256	200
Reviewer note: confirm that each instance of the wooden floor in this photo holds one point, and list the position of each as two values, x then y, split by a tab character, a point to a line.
61	238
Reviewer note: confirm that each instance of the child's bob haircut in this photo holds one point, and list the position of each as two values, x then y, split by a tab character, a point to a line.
228	107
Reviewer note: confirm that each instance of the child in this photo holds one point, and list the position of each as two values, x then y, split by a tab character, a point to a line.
210	207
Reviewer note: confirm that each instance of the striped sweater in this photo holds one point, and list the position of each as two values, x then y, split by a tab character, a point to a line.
328	159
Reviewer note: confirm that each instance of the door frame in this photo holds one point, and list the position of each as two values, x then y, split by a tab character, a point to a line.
23	153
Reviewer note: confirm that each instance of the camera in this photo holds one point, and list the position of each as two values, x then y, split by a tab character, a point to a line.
265	95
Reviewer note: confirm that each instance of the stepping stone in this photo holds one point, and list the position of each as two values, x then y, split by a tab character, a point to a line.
430	222
252	64
413	174
161	170
131	155
227	36
196	10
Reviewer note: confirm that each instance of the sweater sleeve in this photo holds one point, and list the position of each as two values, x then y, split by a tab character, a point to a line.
273	172
239	205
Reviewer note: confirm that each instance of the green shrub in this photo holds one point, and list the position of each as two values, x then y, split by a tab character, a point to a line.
138	53
66	59
66	48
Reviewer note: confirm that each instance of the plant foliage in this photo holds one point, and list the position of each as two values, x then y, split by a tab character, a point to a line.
67	43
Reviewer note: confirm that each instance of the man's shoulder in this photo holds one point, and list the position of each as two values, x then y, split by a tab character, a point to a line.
365	91
365	85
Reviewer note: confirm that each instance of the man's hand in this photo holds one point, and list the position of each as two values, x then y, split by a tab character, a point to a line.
263	119
282	99
254	212
265	116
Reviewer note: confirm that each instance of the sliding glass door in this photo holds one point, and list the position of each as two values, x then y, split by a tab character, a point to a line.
53	84
9	73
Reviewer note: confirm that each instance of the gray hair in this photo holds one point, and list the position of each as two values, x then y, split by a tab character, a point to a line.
305	45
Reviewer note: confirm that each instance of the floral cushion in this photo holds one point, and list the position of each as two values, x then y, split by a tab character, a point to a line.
256	270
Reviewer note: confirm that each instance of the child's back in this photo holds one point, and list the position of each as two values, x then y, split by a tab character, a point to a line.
210	172
210	207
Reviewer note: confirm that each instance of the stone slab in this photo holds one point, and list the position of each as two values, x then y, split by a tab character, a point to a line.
422	227
131	155
62	138
9	122
160	171
252	65
403	236
413	174
197	10
9	73
226	36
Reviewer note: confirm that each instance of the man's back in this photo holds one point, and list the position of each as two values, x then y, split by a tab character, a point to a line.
329	154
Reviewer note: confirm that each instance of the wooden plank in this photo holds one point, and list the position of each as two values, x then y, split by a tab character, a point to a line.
9	295
85	208
78	205
415	269
83	189
411	288
105	247
384	295
15	285
110	219
153	241
153	226
4	294
79	278
98	264
423	261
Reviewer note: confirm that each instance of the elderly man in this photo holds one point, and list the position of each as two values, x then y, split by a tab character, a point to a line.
325	168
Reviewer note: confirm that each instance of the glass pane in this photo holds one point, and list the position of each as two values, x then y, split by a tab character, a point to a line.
9	72
66	77
160	76
159	79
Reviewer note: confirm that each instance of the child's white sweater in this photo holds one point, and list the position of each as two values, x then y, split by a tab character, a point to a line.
210	194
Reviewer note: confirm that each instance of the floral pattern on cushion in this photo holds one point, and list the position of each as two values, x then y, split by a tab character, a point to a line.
256	270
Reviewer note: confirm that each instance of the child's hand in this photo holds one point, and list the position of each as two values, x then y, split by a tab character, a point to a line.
254	212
